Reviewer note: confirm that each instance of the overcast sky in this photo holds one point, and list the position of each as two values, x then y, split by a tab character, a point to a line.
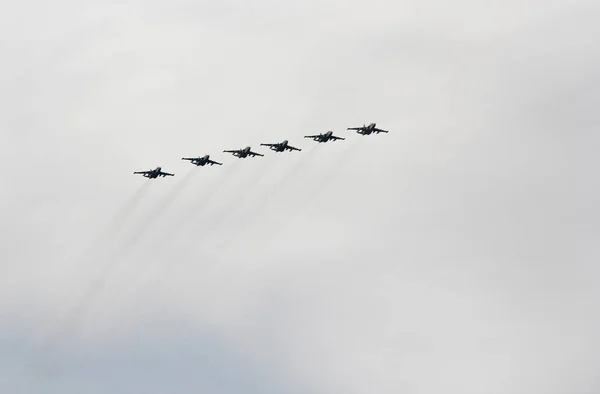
458	253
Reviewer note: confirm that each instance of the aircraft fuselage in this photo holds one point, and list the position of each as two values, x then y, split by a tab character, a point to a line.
325	137
366	130
280	147
201	161
154	173
244	152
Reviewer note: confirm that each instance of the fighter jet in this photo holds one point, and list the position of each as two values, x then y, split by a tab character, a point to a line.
201	161
324	137
155	173
366	130
281	146
242	153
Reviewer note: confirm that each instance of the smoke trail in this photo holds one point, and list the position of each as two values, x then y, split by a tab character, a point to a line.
203	198
114	226
280	225
72	318
264	242
125	212
112	229
211	226
287	178
263	200
241	194
224	213
156	214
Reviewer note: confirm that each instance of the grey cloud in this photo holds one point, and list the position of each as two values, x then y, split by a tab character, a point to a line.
185	364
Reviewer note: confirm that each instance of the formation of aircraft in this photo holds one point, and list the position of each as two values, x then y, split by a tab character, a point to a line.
366	130
276	147
201	161
153	174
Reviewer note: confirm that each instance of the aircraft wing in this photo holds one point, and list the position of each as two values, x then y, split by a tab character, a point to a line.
311	136
232	151
379	130
355	128
255	154
165	174
268	144
293	148
333	137
187	158
142	172
214	162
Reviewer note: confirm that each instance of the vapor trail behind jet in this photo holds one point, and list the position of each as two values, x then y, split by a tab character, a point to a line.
202	199
242	193
114	227
96	250
264	197
190	218
281	184
154	215
69	322
222	214
282	221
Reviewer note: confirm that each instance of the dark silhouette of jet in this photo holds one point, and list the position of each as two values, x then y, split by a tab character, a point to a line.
153	174
242	153
366	130
324	137
201	161
281	146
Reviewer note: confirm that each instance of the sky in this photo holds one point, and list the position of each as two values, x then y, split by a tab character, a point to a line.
457	253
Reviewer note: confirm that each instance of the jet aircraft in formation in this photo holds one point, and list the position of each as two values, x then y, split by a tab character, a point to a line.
242	153
277	147
324	137
366	130
281	146
153	174
201	161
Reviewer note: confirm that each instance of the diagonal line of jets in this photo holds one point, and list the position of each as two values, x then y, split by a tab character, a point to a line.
276	147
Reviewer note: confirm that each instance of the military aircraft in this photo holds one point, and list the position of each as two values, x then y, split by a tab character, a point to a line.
281	146
201	161
324	137
241	153
155	173
366	130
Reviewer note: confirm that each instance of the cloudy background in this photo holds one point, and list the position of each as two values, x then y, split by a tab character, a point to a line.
458	253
